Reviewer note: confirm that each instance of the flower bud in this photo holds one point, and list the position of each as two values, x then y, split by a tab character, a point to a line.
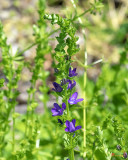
118	147
56	70
63	82
125	155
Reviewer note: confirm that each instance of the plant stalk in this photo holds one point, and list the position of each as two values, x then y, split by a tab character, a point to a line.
71	151
67	106
13	132
84	114
85	77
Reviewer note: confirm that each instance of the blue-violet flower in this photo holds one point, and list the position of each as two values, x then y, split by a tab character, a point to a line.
72	73
57	87
125	155
73	99
57	110
71	85
71	126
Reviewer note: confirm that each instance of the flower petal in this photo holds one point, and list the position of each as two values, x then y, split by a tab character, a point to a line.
63	106
57	106
55	84
74	95
74	70
70	83
72	99
72	102
58	88
71	127
61	112
68	80
54	110
74	121
55	114
67	129
78	127
74	83
70	70
79	100
67	123
72	73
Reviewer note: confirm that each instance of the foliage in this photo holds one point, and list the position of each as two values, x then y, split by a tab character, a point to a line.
93	129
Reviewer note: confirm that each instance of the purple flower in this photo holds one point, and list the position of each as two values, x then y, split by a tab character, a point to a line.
72	73
57	110
73	99
71	85
71	126
57	87
125	155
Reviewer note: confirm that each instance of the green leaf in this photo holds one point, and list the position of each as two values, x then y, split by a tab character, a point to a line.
2	82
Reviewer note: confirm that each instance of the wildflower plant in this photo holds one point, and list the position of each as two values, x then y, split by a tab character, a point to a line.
66	125
12	64
65	77
32	123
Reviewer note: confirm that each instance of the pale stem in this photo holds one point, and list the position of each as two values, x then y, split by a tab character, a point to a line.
13	131
85	80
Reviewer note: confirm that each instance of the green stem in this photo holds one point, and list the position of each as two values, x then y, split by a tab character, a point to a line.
67	106
72	154
13	132
32	45
27	116
71	151
44	101
84	114
1	143
85	76
82	14
12	105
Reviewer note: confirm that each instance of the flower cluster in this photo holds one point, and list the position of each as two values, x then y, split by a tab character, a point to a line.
57	110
